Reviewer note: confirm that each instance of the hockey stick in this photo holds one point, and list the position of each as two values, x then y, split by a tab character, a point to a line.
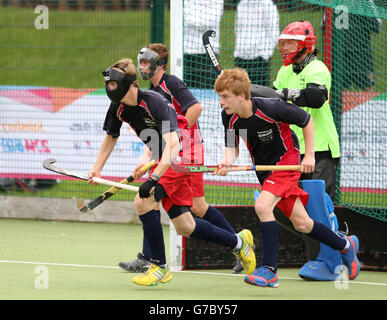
48	164
256	90
204	169
108	193
210	50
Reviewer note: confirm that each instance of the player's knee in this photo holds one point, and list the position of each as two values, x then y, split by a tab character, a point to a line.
199	207
143	205
302	224
182	220
262	210
185	228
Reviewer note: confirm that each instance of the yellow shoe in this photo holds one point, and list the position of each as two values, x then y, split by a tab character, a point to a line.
153	275
246	253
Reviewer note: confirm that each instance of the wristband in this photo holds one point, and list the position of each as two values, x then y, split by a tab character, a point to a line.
155	177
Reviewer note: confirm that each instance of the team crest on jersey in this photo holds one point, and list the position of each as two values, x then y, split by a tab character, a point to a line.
265	136
151	123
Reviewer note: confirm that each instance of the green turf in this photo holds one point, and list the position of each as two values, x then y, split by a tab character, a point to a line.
81	259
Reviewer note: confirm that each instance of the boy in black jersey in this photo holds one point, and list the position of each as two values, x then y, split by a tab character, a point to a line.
263	124
166	135
151	65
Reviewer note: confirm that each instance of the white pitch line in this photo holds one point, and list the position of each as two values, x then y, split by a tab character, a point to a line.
185	271
59	264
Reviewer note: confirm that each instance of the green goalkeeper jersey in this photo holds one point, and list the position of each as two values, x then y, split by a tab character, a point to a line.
325	133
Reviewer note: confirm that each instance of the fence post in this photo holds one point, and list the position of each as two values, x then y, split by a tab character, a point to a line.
157	21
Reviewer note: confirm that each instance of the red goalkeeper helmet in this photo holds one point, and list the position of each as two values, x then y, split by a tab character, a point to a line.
296	39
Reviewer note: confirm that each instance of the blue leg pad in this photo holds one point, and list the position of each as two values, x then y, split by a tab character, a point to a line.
328	264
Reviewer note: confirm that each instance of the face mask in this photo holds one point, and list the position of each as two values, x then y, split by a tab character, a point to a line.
154	61
123	80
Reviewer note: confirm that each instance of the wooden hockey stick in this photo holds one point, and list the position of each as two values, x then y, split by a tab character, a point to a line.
205	169
48	164
108	193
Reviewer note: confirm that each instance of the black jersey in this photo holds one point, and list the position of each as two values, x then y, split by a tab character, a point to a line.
176	92
266	133
152	112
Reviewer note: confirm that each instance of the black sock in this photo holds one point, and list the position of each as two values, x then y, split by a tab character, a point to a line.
153	232
146	251
269	244
217	218
206	231
322	233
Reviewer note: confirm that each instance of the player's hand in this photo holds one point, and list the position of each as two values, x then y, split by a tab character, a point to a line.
137	172
308	164
288	94
92	174
222	170
147	188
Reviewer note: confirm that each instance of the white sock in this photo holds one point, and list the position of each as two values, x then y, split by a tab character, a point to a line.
347	245
239	244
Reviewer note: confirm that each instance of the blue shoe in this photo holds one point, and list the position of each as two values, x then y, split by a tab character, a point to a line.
263	277
350	259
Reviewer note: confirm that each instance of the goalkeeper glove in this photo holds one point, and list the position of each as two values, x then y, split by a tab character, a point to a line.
288	94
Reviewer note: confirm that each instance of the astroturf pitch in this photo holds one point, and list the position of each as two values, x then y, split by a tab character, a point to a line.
74	260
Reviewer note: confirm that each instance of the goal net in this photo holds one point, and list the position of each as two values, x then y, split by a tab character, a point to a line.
351	42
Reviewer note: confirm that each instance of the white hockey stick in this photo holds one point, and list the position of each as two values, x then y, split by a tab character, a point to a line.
48	164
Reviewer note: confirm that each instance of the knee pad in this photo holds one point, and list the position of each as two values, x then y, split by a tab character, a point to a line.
176	211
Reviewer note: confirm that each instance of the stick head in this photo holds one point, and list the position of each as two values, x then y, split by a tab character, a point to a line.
48	163
81	206
207	34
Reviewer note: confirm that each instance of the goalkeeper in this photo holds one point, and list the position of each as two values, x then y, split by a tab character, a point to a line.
305	81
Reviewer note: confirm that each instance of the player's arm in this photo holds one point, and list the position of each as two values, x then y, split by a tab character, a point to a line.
308	163
188	103
146	157
104	153
313	96
230	156
171	150
193	114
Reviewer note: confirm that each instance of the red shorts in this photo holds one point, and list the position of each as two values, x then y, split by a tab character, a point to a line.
197	184
177	186
284	184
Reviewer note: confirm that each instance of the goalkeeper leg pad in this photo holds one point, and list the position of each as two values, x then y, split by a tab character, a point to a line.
328	265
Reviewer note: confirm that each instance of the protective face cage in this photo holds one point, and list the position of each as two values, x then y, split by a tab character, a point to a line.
123	80
297	38
154	60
